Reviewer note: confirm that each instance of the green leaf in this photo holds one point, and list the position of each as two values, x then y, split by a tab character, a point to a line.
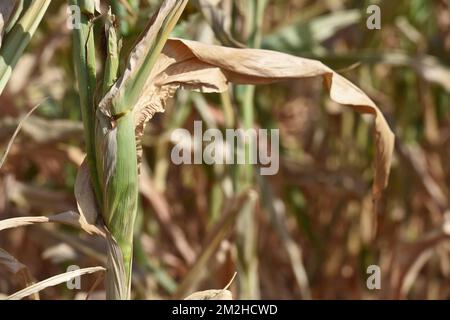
18	39
85	68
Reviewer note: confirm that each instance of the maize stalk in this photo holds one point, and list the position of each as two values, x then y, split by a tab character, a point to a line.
110	129
115	121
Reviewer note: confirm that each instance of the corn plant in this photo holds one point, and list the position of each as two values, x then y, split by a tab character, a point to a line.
156	68
117	104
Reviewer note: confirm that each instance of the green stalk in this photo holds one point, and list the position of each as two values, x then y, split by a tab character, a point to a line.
85	69
110	74
112	57
120	167
110	131
121	194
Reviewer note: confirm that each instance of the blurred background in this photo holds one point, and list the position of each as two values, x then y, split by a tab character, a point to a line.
308	232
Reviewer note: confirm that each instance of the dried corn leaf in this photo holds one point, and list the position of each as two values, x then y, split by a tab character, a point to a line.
69	218
53	281
84	194
223	294
211	295
208	68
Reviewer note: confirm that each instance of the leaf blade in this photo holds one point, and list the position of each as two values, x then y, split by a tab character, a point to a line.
19	38
53	281
186	64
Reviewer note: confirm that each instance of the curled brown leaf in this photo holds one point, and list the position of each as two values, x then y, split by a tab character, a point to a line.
84	194
209	68
70	218
53	281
